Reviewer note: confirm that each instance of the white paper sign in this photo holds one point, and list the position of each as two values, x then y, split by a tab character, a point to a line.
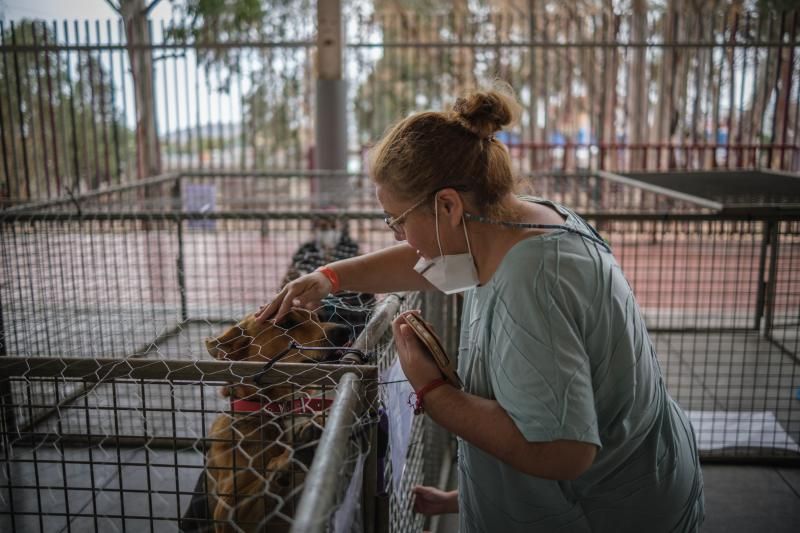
744	429
400	416
344	519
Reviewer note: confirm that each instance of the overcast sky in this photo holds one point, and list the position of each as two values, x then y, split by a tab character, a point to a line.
69	9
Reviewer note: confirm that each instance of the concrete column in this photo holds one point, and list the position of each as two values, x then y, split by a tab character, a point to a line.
331	105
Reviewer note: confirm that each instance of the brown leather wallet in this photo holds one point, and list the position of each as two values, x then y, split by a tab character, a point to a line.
431	341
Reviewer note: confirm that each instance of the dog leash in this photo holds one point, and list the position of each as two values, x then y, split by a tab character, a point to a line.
348	355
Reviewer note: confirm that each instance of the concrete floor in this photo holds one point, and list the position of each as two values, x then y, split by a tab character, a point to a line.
759	499
739	499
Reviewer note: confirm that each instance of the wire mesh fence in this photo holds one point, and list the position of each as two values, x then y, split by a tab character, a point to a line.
155	445
118	386
87	104
110	396
139	448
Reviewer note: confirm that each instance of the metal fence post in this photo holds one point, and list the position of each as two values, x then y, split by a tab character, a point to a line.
370	483
320	485
8	421
762	280
771	281
177	199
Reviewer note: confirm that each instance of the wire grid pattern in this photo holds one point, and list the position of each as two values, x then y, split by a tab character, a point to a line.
106	288
783	326
400	515
106	283
204	192
693	273
445	316
72	91
133	455
155	417
166	410
134	309
720	296
201	192
589	193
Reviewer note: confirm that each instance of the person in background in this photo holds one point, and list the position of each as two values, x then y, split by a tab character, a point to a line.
331	242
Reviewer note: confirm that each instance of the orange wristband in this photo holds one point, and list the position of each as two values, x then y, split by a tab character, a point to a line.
329	273
420	394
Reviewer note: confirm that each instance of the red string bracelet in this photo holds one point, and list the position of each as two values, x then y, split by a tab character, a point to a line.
329	273
420	395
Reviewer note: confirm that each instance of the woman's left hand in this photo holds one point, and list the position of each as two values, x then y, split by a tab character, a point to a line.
417	364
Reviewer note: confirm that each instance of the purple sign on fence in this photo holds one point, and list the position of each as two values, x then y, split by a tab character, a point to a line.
200	199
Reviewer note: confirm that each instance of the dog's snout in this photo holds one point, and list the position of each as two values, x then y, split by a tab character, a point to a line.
212	345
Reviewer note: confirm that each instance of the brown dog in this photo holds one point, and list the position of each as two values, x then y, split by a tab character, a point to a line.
249	462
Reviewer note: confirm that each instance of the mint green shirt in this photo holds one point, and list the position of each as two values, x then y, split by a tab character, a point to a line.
558	340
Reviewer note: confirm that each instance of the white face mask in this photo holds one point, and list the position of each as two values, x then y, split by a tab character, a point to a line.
327	238
450	274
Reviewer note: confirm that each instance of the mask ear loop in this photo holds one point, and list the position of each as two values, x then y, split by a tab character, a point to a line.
436	216
438	240
469	249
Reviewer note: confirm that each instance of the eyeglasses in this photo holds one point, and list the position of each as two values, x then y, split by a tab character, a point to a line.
396	224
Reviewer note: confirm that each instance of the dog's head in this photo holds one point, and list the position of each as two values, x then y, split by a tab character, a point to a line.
250	340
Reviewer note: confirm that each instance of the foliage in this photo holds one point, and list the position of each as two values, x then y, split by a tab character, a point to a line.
277	79
61	125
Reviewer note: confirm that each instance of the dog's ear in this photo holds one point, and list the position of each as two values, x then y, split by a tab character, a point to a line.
290	320
297	316
337	334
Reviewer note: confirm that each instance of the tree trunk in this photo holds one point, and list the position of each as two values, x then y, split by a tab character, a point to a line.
679	126
663	116
637	92
608	159
463	57
134	16
703	58
783	89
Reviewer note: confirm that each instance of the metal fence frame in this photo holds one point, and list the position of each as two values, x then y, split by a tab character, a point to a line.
351	416
652	218
149	207
68	115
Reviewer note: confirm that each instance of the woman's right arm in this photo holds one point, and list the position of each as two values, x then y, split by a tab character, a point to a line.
387	270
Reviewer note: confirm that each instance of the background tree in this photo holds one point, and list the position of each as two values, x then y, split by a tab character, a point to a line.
407	78
134	14
59	125
785	62
278	80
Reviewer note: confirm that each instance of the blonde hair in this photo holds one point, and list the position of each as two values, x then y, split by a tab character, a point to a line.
429	151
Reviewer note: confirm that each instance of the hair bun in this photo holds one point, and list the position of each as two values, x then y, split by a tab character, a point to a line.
485	112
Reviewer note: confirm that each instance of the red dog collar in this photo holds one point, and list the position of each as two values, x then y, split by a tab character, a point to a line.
298	406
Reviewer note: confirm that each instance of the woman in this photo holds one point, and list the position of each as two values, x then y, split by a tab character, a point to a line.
564	422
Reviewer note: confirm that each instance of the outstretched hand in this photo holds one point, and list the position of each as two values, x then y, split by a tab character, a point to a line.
306	291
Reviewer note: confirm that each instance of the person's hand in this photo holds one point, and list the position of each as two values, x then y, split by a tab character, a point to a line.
417	364
432	501
306	291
